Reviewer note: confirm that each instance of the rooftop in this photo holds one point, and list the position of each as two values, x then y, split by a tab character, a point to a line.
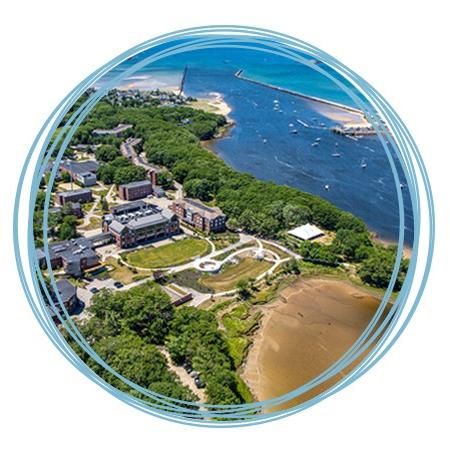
116	130
128	207
74	192
71	250
153	217
200	208
80	166
66	289
134	184
306	232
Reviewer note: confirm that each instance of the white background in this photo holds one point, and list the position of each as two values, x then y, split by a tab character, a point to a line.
48	47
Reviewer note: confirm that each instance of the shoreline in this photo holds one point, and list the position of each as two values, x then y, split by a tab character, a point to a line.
407	249
313	311
215	103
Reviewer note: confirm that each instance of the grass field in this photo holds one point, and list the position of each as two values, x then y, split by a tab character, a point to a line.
168	255
276	250
94	223
227	278
123	273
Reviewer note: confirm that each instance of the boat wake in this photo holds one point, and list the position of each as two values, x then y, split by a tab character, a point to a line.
283	163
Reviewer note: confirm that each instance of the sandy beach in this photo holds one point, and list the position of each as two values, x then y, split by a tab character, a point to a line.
302	333
341	115
214	103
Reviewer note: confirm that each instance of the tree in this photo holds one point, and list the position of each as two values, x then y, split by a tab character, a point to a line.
107	153
350	222
377	269
148	313
294	215
124	175
180	171
244	289
222	388
347	242
104	205
201	189
68	228
65	177
106	173
165	179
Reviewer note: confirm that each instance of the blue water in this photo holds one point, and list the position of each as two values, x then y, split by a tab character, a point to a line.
261	142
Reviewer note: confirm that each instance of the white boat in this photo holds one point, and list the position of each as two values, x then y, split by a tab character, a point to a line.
363	165
327	187
264	141
291	125
314	144
302	123
318	139
336	155
294	131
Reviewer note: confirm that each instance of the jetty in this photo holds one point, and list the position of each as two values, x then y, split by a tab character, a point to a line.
183	80
239	74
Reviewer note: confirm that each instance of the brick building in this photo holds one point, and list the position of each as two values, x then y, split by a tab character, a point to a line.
77	195
140	222
135	190
195	213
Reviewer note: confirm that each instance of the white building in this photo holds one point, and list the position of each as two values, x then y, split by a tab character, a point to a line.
306	232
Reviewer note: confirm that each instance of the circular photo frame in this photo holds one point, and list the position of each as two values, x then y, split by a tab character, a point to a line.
223	226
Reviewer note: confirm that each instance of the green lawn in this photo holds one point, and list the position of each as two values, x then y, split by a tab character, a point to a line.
168	255
123	273
227	278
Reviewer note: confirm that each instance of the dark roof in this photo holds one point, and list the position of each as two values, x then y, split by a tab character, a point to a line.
136	184
72	250
129	207
66	289
74	192
80	166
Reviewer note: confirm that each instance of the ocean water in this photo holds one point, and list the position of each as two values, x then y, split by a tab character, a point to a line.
262	143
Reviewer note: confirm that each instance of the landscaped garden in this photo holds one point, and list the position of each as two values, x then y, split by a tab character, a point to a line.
231	274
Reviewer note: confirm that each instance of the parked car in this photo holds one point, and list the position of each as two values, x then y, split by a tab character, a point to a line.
94	290
118	284
199	383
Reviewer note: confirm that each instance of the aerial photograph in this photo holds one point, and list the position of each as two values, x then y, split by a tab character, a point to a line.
222	226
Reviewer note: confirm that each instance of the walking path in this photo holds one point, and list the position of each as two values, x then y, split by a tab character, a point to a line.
183	376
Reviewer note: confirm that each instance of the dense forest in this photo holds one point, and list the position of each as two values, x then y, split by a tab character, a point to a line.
125	329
